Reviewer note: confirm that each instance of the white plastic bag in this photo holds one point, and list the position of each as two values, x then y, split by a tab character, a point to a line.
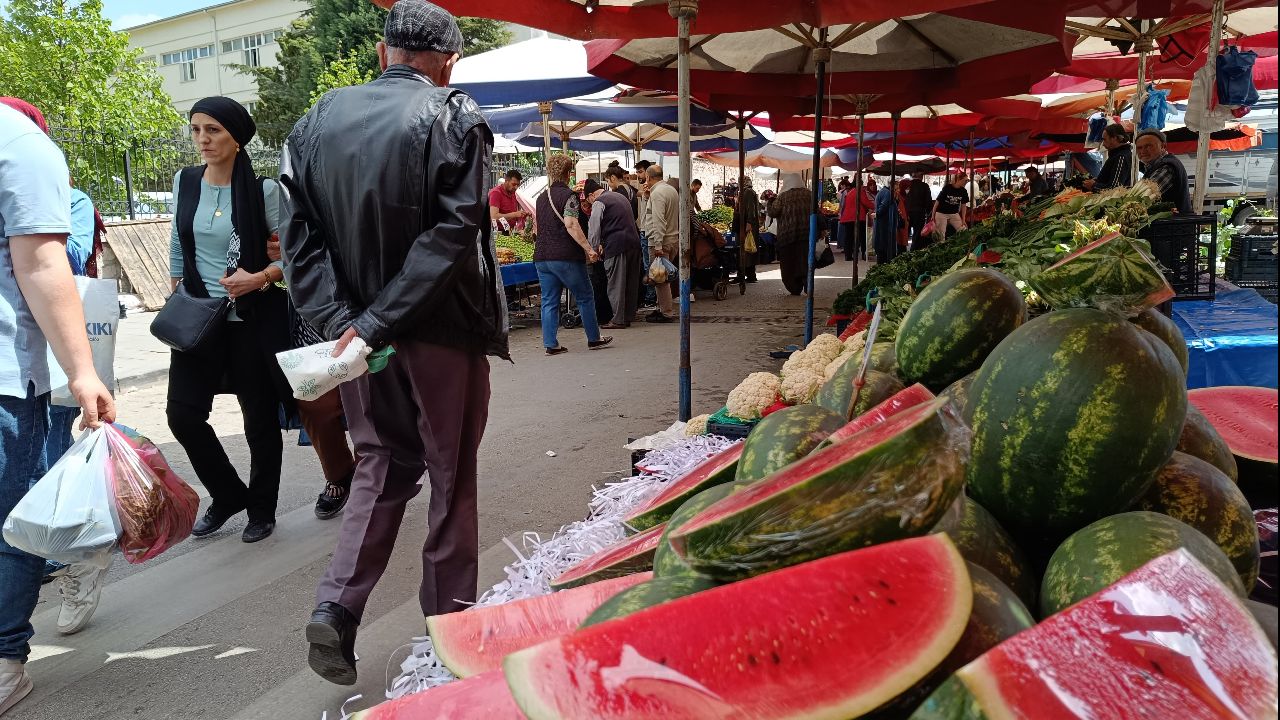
68	516
312	371
100	299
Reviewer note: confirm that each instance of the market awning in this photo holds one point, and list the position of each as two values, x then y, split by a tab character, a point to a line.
532	71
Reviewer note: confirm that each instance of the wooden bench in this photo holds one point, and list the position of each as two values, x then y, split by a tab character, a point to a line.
136	252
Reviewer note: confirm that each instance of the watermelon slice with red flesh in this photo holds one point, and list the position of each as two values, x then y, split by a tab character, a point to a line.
831	639
1167	641
483	697
1246	418
912	396
475	641
630	556
716	469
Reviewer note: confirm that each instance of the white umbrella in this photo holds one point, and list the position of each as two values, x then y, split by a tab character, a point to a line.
537	70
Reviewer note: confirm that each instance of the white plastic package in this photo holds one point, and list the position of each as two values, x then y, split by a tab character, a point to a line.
69	516
312	371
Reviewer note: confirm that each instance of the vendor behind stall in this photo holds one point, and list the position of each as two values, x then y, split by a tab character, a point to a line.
1117	171
1164	169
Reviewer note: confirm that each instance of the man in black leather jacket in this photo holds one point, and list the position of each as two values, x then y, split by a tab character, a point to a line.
385	234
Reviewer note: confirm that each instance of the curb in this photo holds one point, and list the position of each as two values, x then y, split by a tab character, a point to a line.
142	380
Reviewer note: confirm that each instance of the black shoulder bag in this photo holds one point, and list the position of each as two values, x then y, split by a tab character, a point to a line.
190	320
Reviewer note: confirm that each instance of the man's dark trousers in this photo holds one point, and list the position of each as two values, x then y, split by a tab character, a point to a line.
425	412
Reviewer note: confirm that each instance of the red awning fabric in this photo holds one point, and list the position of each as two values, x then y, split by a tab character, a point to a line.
1181	140
1153	9
948	52
649	19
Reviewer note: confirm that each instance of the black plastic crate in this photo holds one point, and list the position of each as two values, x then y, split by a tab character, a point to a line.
1187	249
732	431
1268	290
1240	270
1253	248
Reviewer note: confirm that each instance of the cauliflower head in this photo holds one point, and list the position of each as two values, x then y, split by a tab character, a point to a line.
856	342
827	345
754	395
834	366
805	361
801	387
696	425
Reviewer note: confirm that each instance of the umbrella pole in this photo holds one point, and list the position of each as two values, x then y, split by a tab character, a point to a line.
971	159
684	11
1145	46
822	53
857	201
545	109
1202	140
739	229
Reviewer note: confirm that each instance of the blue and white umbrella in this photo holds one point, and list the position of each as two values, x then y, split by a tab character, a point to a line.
537	70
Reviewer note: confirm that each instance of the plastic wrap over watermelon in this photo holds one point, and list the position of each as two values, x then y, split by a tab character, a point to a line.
894	480
1115	274
1268	544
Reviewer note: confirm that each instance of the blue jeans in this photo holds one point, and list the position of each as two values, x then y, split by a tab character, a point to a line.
24	426
554	276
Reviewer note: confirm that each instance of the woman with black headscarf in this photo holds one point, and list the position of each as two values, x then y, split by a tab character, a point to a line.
224	217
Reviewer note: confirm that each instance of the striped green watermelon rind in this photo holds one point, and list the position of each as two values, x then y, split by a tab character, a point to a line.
720	468
475	641
834	638
1200	495
784	437
631	555
884	357
997	615
878	387
484	696
1072	415
1200	439
1163	327
893	481
1113	274
1113	547
1167	641
955	323
909	398
958	393
666	561
841	396
985	543
648	594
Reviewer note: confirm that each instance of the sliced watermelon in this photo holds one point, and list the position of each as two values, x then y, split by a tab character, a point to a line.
912	396
475	641
1167	641
834	638
1245	417
483	697
717	469
892	481
632	555
1113	273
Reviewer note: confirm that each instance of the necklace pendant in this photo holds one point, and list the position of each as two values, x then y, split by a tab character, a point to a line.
217	213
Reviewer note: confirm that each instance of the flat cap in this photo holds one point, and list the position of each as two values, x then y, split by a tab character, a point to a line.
419	25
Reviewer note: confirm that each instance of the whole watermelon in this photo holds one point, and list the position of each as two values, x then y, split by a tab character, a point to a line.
1113	547
666	563
1160	325
838	393
1200	439
980	539
648	594
1072	415
784	437
953	325
884	357
958	393
1200	495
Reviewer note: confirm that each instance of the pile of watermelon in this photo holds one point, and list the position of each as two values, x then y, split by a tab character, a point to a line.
1042	524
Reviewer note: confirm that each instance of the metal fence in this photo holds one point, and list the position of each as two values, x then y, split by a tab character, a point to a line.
131	178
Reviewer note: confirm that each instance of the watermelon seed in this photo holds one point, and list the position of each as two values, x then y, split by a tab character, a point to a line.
856	598
883	584
891	601
776	659
1156	665
752	659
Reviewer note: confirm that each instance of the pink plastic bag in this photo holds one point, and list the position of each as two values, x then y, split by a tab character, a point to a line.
930	228
156	508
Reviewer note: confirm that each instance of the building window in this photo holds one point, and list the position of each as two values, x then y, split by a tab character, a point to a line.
186	56
188	71
252	107
251	57
249	42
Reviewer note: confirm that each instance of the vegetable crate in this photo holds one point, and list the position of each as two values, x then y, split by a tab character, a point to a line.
1187	249
1252	260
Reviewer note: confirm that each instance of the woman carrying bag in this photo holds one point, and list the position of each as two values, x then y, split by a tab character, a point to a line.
226	319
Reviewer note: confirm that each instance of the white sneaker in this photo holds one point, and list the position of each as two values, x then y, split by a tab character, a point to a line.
80	587
15	684
692	298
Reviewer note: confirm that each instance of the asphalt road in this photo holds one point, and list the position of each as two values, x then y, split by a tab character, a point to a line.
212	629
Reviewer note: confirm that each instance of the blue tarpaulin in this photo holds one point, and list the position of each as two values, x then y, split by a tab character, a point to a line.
1232	340
518	274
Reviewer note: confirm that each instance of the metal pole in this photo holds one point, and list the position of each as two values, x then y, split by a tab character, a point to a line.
1145	46
821	54
1202	140
684	11
971	159
128	183
857	199
545	109
739	228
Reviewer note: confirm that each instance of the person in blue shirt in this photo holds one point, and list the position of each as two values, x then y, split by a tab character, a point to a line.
39	309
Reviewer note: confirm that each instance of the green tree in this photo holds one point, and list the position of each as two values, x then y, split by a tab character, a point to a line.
284	90
343	72
482	34
64	58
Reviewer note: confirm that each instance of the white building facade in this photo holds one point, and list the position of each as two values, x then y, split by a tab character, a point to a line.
196	53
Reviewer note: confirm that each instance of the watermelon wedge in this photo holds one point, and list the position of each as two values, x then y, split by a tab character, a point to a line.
892	481
475	641
719	468
1245	417
483	697
1167	641
832	639
912	396
632	555
1113	273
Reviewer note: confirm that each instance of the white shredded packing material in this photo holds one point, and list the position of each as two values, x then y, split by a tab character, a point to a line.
539	561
